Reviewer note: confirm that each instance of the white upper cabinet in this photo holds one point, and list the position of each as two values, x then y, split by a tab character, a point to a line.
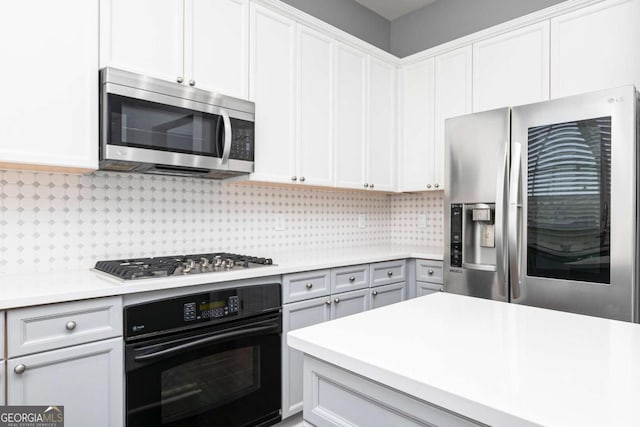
143	36
273	89
49	85
418	114
512	68
217	45
381	131
202	43
315	97
596	48
453	97
350	117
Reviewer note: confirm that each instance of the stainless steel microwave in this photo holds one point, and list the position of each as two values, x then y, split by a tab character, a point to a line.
154	126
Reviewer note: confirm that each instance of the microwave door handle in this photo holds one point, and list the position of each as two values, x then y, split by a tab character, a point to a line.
228	133
514	213
208	340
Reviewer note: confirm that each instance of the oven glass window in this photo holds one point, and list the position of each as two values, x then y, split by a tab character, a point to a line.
568	200
204	384
143	124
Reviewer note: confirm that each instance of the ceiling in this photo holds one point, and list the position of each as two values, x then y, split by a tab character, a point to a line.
392	9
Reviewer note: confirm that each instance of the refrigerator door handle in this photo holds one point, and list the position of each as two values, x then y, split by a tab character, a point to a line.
502	266
514	215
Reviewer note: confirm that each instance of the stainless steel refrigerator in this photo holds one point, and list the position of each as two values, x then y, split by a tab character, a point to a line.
541	204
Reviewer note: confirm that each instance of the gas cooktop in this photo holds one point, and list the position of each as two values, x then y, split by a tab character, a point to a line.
142	268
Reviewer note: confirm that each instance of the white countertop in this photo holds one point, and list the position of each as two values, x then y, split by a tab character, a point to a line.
502	364
20	290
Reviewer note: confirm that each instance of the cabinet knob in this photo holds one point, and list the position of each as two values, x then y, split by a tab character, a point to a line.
302	179
309	285
430	272
437	185
337	300
71	325
20	369
192	82
389	273
294	178
328	302
366	185
179	79
442	289
374	293
370	185
428	186
352	279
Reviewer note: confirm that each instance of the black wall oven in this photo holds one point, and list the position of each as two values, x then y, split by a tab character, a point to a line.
206	359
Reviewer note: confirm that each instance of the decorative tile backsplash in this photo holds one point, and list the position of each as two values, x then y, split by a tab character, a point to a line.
52	222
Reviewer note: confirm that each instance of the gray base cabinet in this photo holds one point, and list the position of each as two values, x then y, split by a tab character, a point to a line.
428	277
334	397
68	354
295	316
87	379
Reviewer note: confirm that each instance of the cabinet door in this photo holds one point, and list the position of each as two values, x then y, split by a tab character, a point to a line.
295	316
388	294
87	379
424	288
453	97
595	48
511	69
143	36
416	168
350	113
381	132
49	84
315	130
348	303
272	88
217	45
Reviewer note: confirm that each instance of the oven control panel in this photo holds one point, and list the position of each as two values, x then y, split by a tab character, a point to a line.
211	309
200	309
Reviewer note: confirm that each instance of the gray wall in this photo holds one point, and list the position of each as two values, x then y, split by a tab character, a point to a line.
446	20
351	17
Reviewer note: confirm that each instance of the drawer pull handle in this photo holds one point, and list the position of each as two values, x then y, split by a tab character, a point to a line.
430	272
374	293
309	285
352	279
389	273
71	325
19	369
337	300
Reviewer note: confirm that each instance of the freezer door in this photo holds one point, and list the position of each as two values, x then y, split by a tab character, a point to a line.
476	165
572	209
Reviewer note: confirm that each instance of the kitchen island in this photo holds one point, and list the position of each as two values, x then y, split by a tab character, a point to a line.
446	359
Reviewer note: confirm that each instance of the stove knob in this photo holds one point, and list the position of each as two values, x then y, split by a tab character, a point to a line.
204	262
268	261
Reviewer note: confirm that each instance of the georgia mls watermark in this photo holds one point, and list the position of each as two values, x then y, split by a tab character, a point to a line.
32	416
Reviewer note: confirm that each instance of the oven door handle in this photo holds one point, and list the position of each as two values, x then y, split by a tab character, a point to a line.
208	340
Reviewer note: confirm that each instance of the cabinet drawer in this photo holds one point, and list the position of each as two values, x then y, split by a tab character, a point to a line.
43	328
429	271
301	286
349	278
384	273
